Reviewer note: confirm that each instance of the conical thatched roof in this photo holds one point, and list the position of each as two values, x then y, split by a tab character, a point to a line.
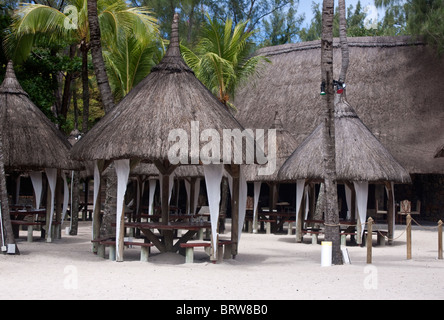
394	83
285	145
169	98
359	154
30	140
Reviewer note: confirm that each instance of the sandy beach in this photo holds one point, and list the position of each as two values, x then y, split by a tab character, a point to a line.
268	267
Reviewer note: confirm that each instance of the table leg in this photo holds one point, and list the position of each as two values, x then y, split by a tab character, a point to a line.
154	240
185	238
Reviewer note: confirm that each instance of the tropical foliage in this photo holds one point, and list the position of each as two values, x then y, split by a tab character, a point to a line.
222	59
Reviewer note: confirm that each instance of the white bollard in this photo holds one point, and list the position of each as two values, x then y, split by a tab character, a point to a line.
326	253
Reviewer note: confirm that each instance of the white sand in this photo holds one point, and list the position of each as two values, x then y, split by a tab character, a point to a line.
268	267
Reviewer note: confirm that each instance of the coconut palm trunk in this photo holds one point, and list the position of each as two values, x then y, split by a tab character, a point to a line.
331	195
85	85
97	58
108	104
343	39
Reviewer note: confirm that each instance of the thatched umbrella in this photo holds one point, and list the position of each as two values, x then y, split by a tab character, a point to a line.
169	100
31	142
360	157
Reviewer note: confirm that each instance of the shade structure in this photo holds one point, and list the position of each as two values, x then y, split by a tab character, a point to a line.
30	140
359	154
169	100
170	107
360	158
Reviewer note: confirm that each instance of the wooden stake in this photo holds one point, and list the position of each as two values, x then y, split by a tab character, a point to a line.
409	236
440	239
369	239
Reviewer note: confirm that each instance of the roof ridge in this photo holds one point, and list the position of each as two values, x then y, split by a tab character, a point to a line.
379	41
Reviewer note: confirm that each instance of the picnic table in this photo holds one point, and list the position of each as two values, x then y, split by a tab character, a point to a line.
165	242
18	219
316	228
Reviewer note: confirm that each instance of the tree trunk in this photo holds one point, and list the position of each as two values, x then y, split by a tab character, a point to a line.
75	205
85	86
331	195
108	104
69	78
110	207
97	58
6	218
343	40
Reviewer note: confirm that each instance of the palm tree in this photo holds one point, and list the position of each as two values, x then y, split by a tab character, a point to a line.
222	59
32	22
330	187
129	61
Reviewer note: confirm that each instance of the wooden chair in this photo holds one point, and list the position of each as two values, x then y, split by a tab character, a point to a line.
380	211
406	208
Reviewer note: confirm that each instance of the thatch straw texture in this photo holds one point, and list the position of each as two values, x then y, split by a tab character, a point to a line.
440	152
359	154
169	98
394	83
30	140
285	145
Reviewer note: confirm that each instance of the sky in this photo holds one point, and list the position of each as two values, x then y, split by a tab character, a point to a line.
305	7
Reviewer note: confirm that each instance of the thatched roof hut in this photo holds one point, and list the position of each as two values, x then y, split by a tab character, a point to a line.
168	99
359	154
30	140
394	83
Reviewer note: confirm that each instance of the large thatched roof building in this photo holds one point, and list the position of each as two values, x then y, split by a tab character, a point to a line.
394	83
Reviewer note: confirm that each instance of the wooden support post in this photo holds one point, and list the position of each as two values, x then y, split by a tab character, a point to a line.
48	214
390	212
369	239
440	239
166	169
120	238
409	236
300	221
235	209
58	206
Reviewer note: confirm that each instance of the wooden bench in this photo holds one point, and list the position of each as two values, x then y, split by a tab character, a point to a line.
314	234
189	249
267	225
144	248
224	251
30	225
